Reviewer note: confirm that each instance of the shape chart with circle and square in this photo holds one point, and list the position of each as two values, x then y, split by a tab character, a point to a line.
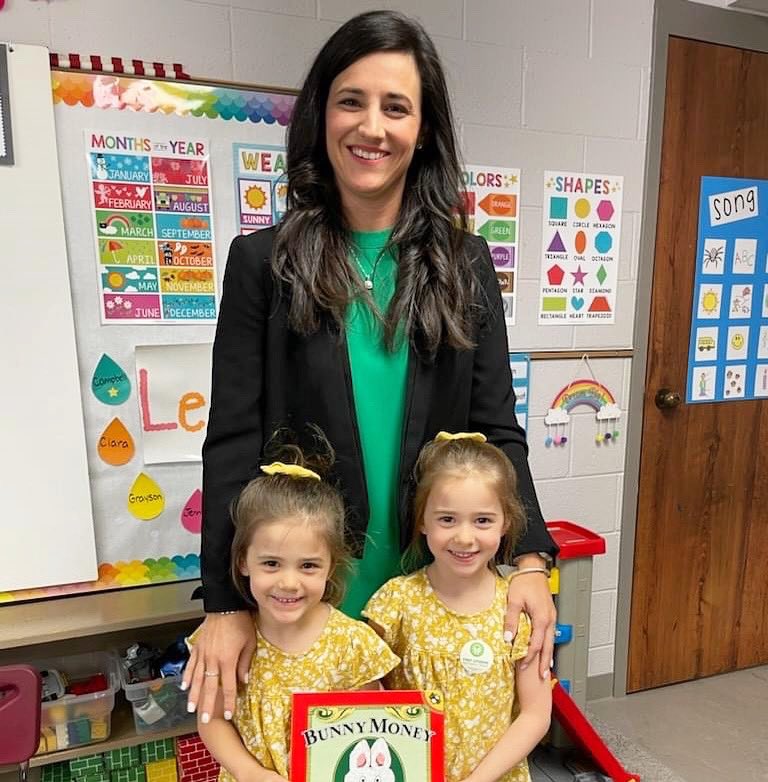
581	234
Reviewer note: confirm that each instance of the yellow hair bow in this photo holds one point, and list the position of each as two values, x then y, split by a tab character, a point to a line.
293	470
478	437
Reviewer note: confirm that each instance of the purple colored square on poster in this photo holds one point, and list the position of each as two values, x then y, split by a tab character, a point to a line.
503	256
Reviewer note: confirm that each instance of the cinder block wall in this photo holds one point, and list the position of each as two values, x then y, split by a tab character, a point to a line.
536	84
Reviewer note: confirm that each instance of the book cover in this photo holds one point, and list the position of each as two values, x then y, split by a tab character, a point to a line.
367	736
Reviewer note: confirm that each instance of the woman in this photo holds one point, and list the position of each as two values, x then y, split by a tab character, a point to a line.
368	312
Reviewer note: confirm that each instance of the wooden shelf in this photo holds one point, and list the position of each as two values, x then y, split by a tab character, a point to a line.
552	355
98	613
123	734
93	622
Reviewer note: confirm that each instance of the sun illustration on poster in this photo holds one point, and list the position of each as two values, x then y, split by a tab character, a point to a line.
115	279
255	197
710	301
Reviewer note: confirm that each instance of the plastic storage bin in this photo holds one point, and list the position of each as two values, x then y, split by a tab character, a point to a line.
158	704
79	719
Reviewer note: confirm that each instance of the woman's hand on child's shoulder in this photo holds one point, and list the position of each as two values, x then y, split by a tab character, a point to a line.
223	647
530	593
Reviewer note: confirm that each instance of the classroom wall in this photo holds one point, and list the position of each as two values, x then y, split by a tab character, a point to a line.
558	84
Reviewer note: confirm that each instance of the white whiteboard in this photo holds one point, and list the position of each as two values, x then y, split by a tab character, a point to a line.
45	505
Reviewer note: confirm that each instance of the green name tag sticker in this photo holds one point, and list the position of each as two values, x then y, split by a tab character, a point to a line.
476	656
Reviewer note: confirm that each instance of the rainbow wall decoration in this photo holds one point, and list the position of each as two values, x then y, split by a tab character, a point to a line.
588	392
583	392
118	575
185	99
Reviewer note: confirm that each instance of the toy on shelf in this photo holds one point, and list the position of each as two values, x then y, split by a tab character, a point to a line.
151	679
77	700
153	761
195	762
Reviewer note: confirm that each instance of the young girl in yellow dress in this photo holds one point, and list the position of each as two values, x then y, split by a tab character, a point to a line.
446	621
289	560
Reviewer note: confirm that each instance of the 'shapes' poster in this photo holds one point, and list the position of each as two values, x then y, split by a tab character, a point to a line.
581	235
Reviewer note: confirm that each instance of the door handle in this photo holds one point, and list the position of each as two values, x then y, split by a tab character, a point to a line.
667	399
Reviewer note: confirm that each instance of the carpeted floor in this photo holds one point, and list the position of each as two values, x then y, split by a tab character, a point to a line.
548	765
708	729
634	758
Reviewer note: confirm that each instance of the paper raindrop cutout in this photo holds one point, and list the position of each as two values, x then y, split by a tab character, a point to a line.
145	499
110	384
116	445
192	513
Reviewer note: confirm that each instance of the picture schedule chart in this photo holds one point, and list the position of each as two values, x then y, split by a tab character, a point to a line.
728	350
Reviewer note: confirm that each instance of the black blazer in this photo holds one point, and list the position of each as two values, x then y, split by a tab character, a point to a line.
265	376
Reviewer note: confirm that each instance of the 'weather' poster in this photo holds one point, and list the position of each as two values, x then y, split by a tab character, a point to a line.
261	186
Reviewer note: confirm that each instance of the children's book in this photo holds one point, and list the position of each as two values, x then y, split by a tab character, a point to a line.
367	736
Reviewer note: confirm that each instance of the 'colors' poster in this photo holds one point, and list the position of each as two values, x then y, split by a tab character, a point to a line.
492	206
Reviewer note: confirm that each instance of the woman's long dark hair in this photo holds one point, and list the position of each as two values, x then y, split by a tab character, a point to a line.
436	286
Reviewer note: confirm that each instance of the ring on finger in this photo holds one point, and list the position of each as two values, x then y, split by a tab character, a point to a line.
210	673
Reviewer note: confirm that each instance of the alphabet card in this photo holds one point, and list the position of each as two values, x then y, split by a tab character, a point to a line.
174	383
580	248
729	323
151	216
367	735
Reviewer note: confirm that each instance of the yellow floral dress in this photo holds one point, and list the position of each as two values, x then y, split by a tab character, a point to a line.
429	639
347	655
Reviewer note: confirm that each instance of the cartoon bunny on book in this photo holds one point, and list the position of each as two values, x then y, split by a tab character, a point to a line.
370	764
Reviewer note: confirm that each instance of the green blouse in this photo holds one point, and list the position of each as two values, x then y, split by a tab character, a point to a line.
379	380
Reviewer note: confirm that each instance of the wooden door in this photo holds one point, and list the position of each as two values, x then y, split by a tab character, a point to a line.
700	583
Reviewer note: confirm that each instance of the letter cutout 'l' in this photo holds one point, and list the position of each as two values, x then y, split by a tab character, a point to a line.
146	418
